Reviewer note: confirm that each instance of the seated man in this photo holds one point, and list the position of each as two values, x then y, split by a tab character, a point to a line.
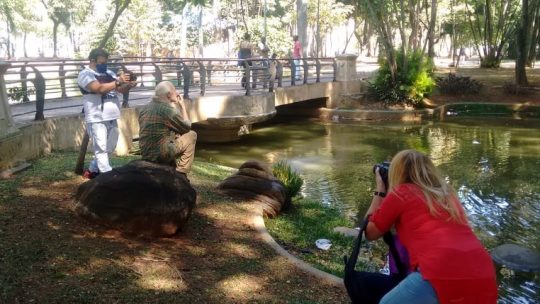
165	130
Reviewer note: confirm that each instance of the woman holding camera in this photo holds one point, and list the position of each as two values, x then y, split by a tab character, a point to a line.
448	262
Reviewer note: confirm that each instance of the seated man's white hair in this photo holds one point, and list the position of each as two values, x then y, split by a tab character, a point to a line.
163	88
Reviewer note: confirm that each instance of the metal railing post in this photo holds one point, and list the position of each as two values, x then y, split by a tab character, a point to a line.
306	68
279	74
186	73
39	85
209	72
202	77
334	66
318	69
158	76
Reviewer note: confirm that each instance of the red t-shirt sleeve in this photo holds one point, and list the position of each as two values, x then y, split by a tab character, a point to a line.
388	213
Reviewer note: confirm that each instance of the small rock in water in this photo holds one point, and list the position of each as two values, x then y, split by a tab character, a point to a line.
335	118
475	142
516	257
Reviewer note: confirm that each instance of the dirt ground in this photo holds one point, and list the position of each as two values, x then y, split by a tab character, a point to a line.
493	81
49	255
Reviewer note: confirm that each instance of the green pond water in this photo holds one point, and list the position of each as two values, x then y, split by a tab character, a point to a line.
493	163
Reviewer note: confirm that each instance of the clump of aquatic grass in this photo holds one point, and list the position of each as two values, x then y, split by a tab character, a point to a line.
289	177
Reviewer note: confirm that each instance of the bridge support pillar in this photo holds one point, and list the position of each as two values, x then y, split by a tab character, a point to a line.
9	134
346	67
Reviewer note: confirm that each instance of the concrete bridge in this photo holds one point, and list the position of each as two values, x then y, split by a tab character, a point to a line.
219	107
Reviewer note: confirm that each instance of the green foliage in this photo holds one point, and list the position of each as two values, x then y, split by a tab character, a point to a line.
454	84
17	93
413	80
290	178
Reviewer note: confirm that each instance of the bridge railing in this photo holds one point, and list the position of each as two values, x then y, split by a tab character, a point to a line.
56	79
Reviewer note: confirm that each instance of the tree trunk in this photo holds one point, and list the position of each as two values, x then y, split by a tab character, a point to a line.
431	43
201	37
8	41
183	31
24	45
535	34
301	24
119	7
56	23
522	47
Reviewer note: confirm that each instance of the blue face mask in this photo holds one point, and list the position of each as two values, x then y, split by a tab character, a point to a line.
101	68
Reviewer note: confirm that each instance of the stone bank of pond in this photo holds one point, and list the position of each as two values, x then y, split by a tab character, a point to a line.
493	163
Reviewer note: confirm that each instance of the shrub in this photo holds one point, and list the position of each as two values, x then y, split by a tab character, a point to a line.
412	84
454	84
290	178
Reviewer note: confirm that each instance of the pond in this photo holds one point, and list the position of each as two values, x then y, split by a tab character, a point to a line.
493	163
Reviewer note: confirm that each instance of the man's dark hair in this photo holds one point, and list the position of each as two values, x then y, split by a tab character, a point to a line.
95	53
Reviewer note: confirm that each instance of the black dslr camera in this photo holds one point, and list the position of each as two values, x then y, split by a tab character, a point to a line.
384	167
132	77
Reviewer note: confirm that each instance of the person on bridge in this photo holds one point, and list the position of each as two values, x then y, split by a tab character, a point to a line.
297	55
165	134
245	51
448	263
99	87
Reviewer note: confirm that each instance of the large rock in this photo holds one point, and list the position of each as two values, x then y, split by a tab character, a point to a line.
141	198
255	181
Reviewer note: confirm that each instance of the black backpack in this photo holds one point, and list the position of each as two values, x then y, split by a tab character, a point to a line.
369	287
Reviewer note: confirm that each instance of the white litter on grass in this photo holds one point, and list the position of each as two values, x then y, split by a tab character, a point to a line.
323	244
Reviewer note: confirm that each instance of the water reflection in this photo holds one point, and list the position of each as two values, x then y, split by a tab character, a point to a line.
493	164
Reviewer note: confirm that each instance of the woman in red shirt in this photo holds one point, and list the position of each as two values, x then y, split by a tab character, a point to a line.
448	262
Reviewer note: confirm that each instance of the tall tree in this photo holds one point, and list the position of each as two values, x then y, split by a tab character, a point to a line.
119	7
492	23
431	29
534	42
59	11
302	24
523	39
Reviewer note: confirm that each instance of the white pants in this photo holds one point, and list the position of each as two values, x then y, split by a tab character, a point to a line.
297	63
104	137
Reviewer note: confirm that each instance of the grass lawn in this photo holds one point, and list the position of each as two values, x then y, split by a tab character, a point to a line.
298	228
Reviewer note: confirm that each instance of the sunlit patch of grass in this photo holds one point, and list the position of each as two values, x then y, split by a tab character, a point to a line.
298	228
212	171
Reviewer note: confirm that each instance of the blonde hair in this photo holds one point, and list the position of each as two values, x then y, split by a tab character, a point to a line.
411	166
